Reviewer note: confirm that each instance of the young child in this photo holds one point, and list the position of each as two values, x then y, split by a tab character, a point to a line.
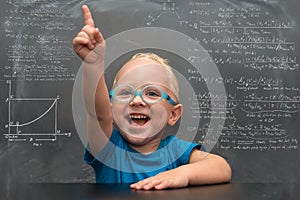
126	125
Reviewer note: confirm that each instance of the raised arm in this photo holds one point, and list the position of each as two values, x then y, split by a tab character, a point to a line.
90	47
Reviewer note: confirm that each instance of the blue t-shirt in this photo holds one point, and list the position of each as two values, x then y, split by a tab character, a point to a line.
119	163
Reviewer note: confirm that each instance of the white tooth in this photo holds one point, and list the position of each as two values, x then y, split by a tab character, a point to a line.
138	117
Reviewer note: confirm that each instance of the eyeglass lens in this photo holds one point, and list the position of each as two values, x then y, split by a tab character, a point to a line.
150	94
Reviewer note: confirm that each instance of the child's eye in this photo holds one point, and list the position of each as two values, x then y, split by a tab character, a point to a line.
125	93
152	93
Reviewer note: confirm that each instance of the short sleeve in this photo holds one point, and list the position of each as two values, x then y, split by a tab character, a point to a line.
184	150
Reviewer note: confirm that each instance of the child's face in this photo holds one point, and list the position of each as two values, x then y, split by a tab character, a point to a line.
141	121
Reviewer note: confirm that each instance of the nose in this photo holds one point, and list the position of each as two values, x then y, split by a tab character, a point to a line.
137	101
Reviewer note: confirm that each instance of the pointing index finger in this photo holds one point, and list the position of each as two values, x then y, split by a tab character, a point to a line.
87	15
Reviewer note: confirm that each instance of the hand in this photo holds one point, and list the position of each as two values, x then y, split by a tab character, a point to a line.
88	38
169	179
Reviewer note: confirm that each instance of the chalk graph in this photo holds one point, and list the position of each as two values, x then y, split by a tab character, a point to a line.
24	130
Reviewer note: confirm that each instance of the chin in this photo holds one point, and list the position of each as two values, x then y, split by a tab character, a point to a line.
137	141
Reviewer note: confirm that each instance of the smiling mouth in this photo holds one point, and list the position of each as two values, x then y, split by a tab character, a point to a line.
138	119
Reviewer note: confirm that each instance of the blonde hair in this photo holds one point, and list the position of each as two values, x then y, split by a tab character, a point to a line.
163	62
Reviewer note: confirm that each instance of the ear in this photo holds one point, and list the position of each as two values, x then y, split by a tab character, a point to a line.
175	114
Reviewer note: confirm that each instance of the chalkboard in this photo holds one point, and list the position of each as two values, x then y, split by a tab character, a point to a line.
252	44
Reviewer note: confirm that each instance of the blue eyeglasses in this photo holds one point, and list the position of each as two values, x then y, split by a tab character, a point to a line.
150	94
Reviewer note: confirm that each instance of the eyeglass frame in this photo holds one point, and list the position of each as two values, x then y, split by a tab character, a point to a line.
139	93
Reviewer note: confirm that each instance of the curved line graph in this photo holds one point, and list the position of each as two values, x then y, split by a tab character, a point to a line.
36	119
15	133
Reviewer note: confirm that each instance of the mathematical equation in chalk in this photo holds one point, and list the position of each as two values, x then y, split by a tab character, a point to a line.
252	103
252	138
38	44
253	46
248	36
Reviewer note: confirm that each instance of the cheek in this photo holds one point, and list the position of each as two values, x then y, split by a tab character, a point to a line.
118	106
118	109
160	112
162	108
